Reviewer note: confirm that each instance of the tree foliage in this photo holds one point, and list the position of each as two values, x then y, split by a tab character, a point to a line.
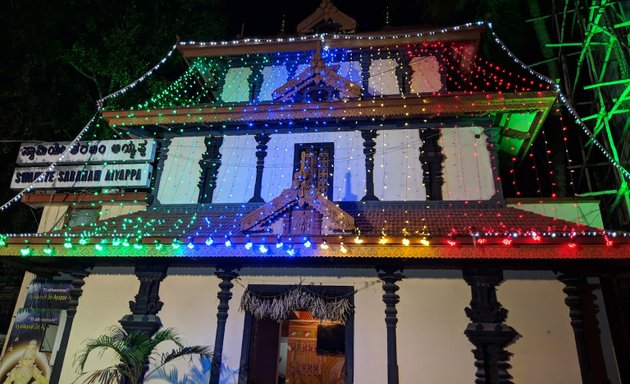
131	352
60	57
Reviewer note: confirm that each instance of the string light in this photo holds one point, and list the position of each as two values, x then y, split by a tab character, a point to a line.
488	77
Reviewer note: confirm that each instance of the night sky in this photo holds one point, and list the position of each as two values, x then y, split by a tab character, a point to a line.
264	18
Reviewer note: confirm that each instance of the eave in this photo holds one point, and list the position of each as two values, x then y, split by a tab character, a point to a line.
368	110
308	43
549	249
39	200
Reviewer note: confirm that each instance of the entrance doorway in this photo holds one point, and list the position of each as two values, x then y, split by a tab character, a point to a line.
297	350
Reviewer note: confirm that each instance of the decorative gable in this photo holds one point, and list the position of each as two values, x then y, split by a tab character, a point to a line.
303	206
327	18
318	82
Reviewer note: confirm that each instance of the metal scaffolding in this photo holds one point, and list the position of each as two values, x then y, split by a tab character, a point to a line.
592	49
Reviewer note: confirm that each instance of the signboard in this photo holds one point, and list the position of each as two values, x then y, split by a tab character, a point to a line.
84	176
127	151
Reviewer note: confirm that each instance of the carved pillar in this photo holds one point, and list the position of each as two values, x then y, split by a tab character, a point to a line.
162	150
494	163
143	317
487	330
366	62
226	275
210	163
390	277
147	304
583	311
431	158
369	151
403	72
78	280
261	152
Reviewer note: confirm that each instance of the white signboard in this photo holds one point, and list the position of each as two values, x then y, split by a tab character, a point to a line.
118	151
84	176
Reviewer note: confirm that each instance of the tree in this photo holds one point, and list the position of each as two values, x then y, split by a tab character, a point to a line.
133	352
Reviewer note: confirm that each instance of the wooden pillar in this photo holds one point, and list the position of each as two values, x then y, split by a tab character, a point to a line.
493	151
369	151
390	277
582	312
147	304
210	163
144	309
224	295
78	280
487	330
261	152
431	158
162	150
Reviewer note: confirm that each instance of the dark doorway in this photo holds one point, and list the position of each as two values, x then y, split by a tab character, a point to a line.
319	156
298	349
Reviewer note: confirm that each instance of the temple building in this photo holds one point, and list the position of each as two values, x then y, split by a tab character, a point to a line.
325	207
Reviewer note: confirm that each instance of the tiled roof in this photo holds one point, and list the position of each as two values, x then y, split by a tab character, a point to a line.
430	218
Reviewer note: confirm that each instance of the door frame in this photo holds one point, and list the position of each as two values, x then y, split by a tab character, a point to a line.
324	290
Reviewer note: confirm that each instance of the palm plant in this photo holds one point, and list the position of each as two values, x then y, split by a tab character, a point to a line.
133	352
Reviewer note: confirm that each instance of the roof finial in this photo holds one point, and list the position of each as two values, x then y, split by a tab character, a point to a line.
387	20
283	24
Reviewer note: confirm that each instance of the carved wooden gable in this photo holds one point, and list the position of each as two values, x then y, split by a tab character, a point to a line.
303	206
319	82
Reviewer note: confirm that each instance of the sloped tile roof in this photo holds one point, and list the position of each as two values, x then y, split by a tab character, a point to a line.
424	218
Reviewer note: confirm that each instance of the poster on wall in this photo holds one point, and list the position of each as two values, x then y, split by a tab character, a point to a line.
32	341
127	151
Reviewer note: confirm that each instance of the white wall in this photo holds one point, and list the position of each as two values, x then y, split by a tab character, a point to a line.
237	173
397	168
546	353
349	163
467	168
383	79
105	300
425	74
53	218
582	212
432	346
190	307
236	85
179	183
109	210
431	340
273	76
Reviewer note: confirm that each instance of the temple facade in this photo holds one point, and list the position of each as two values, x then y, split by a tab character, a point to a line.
320	208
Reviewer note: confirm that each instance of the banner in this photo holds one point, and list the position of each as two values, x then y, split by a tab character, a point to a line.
84	152
32	341
84	176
